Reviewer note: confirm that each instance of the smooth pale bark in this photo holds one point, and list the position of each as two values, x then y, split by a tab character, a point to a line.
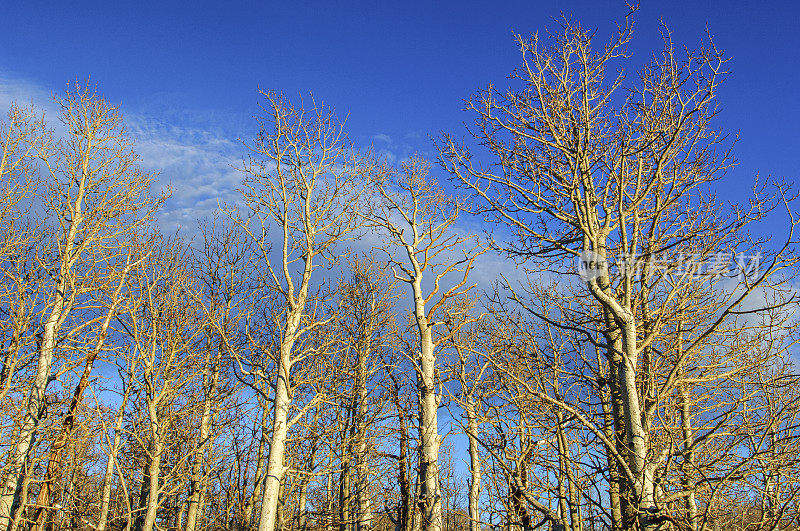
196	498
636	439
422	236
150	483
687	466
430	498
36	399
474	464
152	490
363	520
277	449
105	489
687	472
17	518
282	401
363	501
258	481
306	181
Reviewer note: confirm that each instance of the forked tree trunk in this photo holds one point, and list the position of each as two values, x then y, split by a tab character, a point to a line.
624	352
35	404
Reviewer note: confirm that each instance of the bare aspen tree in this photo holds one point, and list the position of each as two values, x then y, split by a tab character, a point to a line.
471	369
223	266
364	318
53	472
578	172
418	220
549	459
163	327
23	139
112	463
96	195
304	182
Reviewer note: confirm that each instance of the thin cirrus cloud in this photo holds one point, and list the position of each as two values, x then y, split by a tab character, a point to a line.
198	159
192	158
199	166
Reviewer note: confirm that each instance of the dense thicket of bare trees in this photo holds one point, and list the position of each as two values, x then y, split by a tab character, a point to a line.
318	357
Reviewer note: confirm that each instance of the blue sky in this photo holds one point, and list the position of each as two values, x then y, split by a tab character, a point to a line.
186	73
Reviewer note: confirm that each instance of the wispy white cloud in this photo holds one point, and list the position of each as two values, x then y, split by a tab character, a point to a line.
197	156
23	92
192	156
198	165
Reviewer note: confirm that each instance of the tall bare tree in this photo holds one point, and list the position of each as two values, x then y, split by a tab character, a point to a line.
164	329
96	195
624	183
418	219
224	267
304	181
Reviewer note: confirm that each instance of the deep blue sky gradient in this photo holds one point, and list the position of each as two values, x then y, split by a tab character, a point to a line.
399	69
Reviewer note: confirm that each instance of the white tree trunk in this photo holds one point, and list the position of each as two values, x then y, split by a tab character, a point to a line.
61	306
105	491
430	494
156	449
277	449
34	407
108	477
197	495
474	465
